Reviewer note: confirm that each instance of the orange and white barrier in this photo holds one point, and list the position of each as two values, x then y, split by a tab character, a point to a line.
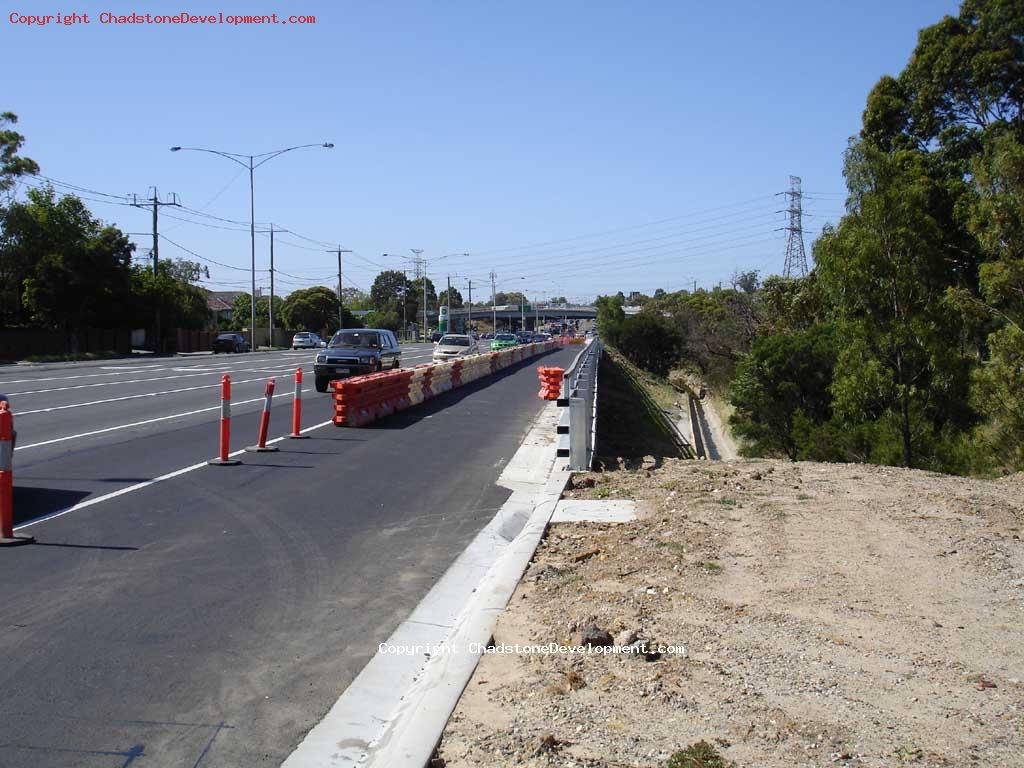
362	399
223	459
297	409
7	537
261	439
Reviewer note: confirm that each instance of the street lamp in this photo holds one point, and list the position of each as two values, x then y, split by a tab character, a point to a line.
252	162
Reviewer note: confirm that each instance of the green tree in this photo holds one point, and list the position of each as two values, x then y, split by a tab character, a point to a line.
390	288
885	272
610	317
172	295
513	297
442	299
314	309
650	341
354	299
783	387
81	273
12	165
416	287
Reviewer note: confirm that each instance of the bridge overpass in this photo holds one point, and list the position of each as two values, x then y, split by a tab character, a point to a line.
533	316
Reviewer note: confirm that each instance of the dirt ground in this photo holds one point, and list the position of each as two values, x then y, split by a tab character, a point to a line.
842	615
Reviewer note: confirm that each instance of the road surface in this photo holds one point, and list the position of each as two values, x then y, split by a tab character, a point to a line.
212	618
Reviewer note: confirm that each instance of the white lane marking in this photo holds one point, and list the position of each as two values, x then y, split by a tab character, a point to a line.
132	397
143	381
148	421
119	370
147	483
70	378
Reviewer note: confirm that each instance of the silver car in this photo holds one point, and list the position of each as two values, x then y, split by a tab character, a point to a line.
306	340
452	346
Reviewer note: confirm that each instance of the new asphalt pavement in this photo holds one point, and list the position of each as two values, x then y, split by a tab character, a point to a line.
211	618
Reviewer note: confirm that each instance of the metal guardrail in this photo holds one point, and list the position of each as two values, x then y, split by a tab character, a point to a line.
577	425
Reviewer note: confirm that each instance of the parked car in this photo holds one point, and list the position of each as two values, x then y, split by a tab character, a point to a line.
230	342
306	340
355	351
503	341
452	346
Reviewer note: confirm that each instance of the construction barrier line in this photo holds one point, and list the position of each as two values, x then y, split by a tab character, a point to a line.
7	537
360	400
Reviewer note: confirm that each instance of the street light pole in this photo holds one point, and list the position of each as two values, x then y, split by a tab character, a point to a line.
252	165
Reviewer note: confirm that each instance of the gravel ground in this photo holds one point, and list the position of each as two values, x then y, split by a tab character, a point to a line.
842	615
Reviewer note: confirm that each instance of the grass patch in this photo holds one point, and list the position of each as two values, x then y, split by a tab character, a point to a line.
711	567
699	755
728	502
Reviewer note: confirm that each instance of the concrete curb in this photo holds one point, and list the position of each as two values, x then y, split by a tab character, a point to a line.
394	712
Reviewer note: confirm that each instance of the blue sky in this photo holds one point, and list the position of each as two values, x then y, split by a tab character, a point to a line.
574	148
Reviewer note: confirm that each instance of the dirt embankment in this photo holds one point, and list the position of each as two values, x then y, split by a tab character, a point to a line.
831	615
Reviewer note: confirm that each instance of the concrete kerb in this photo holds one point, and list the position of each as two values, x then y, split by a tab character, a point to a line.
394	712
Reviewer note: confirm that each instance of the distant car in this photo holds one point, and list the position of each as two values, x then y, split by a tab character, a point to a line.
436	337
504	341
524	337
230	342
487	336
540	338
354	351
306	340
452	346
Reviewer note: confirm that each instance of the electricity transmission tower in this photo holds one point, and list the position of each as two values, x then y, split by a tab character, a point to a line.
796	257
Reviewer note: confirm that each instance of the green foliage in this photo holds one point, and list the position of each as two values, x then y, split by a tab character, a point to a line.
610	317
12	165
699	755
171	293
442	299
75	272
309	309
781	388
388	320
354	299
388	291
513	297
649	341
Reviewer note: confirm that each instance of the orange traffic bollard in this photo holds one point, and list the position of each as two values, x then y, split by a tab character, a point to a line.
225	425
261	440
7	537
297	409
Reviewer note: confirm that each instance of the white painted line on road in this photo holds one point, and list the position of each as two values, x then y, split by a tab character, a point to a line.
131	397
143	381
147	421
147	483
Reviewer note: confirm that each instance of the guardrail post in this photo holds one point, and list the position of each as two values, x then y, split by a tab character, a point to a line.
7	537
579	429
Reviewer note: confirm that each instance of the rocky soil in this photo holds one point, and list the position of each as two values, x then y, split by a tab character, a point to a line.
829	615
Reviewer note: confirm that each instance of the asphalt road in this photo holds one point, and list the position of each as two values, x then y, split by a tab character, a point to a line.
212	618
